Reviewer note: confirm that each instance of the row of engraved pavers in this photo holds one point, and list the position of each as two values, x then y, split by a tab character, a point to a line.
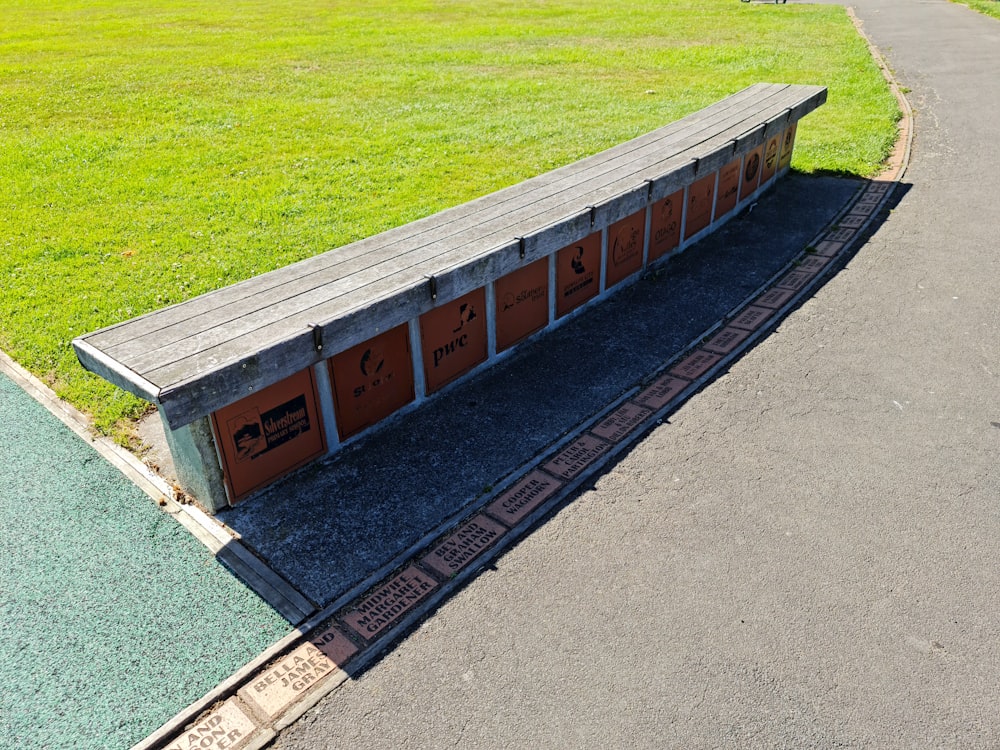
274	689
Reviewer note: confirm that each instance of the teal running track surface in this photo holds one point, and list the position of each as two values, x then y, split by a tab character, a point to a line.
112	617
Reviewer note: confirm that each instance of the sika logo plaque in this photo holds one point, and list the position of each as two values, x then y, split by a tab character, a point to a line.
372	380
453	339
578	273
522	300
787	145
270	433
625	245
751	172
729	188
665	225
699	205
770	165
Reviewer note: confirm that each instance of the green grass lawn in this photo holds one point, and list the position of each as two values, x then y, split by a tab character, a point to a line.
152	150
987	7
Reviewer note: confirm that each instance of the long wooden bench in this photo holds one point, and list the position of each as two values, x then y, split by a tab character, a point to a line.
265	375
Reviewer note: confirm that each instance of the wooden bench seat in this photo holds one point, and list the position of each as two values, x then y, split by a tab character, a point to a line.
197	357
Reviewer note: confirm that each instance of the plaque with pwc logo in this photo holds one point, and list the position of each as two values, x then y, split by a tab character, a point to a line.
729	188
770	164
270	433
372	380
625	245
700	199
751	172
522	303
453	339
578	273
787	145
665	225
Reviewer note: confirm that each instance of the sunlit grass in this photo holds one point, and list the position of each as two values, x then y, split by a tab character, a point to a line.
154	150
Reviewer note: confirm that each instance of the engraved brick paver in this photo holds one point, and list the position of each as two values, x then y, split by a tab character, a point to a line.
577	456
726	340
854	220
752	317
828	249
840	235
225	728
272	690
774	298
695	365
464	545
521	499
814	263
621	422
661	391
795	280
374	614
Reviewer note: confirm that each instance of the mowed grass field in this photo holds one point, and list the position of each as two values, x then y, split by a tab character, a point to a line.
153	150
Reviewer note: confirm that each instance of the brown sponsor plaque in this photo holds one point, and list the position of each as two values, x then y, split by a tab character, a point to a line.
521	499
453	339
578	273
795	279
787	146
372	380
700	197
661	391
726	340
625	246
774	298
522	303
576	456
371	616
621	422
272	690
464	545
750	174
729	188
270	433
665	225
225	728
751	317
695	365
770	165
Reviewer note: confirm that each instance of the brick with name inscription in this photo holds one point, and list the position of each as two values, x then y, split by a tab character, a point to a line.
272	690
521	499
464	545
878	187
752	317
774	298
840	235
225	728
695	365
370	617
853	220
795	280
814	263
576	456
828	249
621	421
661	391
726	340
866	204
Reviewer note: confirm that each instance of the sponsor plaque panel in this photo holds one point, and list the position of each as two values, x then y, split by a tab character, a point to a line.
372	380
577	456
453	339
695	365
270	433
625	246
665	225
521	499
787	145
751	172
729	188
770	165
522	300
225	728
578	273
699	205
464	545
272	690
661	392
387	604
621	421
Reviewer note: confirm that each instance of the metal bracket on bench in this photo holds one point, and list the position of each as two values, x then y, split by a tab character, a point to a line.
593	216
697	164
434	287
520	247
649	191
317	330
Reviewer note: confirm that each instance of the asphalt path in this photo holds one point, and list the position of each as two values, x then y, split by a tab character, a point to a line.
806	554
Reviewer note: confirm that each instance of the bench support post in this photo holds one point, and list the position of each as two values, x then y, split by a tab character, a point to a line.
196	463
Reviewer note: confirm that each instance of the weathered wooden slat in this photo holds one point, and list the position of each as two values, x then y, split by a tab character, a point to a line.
748	102
227	321
197	356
